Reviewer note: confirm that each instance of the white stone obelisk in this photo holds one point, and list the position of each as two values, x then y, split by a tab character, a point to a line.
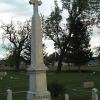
37	70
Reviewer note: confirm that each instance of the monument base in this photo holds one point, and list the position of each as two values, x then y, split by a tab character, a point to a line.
38	96
37	83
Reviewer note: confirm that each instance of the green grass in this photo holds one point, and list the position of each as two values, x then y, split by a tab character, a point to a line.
18	83
71	80
75	81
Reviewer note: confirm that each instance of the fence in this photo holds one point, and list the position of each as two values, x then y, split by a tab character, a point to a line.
12	95
94	94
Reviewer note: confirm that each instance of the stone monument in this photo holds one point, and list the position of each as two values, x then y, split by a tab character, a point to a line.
37	70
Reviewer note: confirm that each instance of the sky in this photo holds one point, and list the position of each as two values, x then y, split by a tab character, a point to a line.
20	10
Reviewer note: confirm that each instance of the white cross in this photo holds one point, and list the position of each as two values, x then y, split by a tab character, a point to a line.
35	2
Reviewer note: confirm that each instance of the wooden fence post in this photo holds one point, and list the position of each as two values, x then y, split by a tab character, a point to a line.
94	94
9	94
66	97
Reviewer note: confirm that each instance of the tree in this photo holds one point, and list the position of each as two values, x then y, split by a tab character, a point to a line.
51	59
19	36
97	52
54	31
80	47
79	22
26	55
62	36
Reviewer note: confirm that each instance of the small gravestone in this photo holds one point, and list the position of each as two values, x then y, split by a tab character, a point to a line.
3	74
11	77
1	78
88	84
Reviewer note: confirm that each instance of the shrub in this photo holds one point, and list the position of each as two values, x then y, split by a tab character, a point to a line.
56	89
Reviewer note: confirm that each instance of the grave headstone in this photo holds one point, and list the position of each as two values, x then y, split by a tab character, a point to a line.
3	74
66	97
88	84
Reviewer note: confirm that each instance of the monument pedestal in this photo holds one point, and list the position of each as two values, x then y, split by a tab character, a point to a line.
37	83
38	96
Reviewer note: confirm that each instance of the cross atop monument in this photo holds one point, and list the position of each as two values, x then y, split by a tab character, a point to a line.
35	2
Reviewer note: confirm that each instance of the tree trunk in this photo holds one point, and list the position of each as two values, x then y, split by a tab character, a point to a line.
79	68
68	66
17	66
60	61
17	62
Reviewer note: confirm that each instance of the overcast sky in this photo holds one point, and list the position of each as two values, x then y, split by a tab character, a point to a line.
20	10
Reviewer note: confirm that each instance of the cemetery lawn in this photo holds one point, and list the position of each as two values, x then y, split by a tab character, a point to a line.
72	81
